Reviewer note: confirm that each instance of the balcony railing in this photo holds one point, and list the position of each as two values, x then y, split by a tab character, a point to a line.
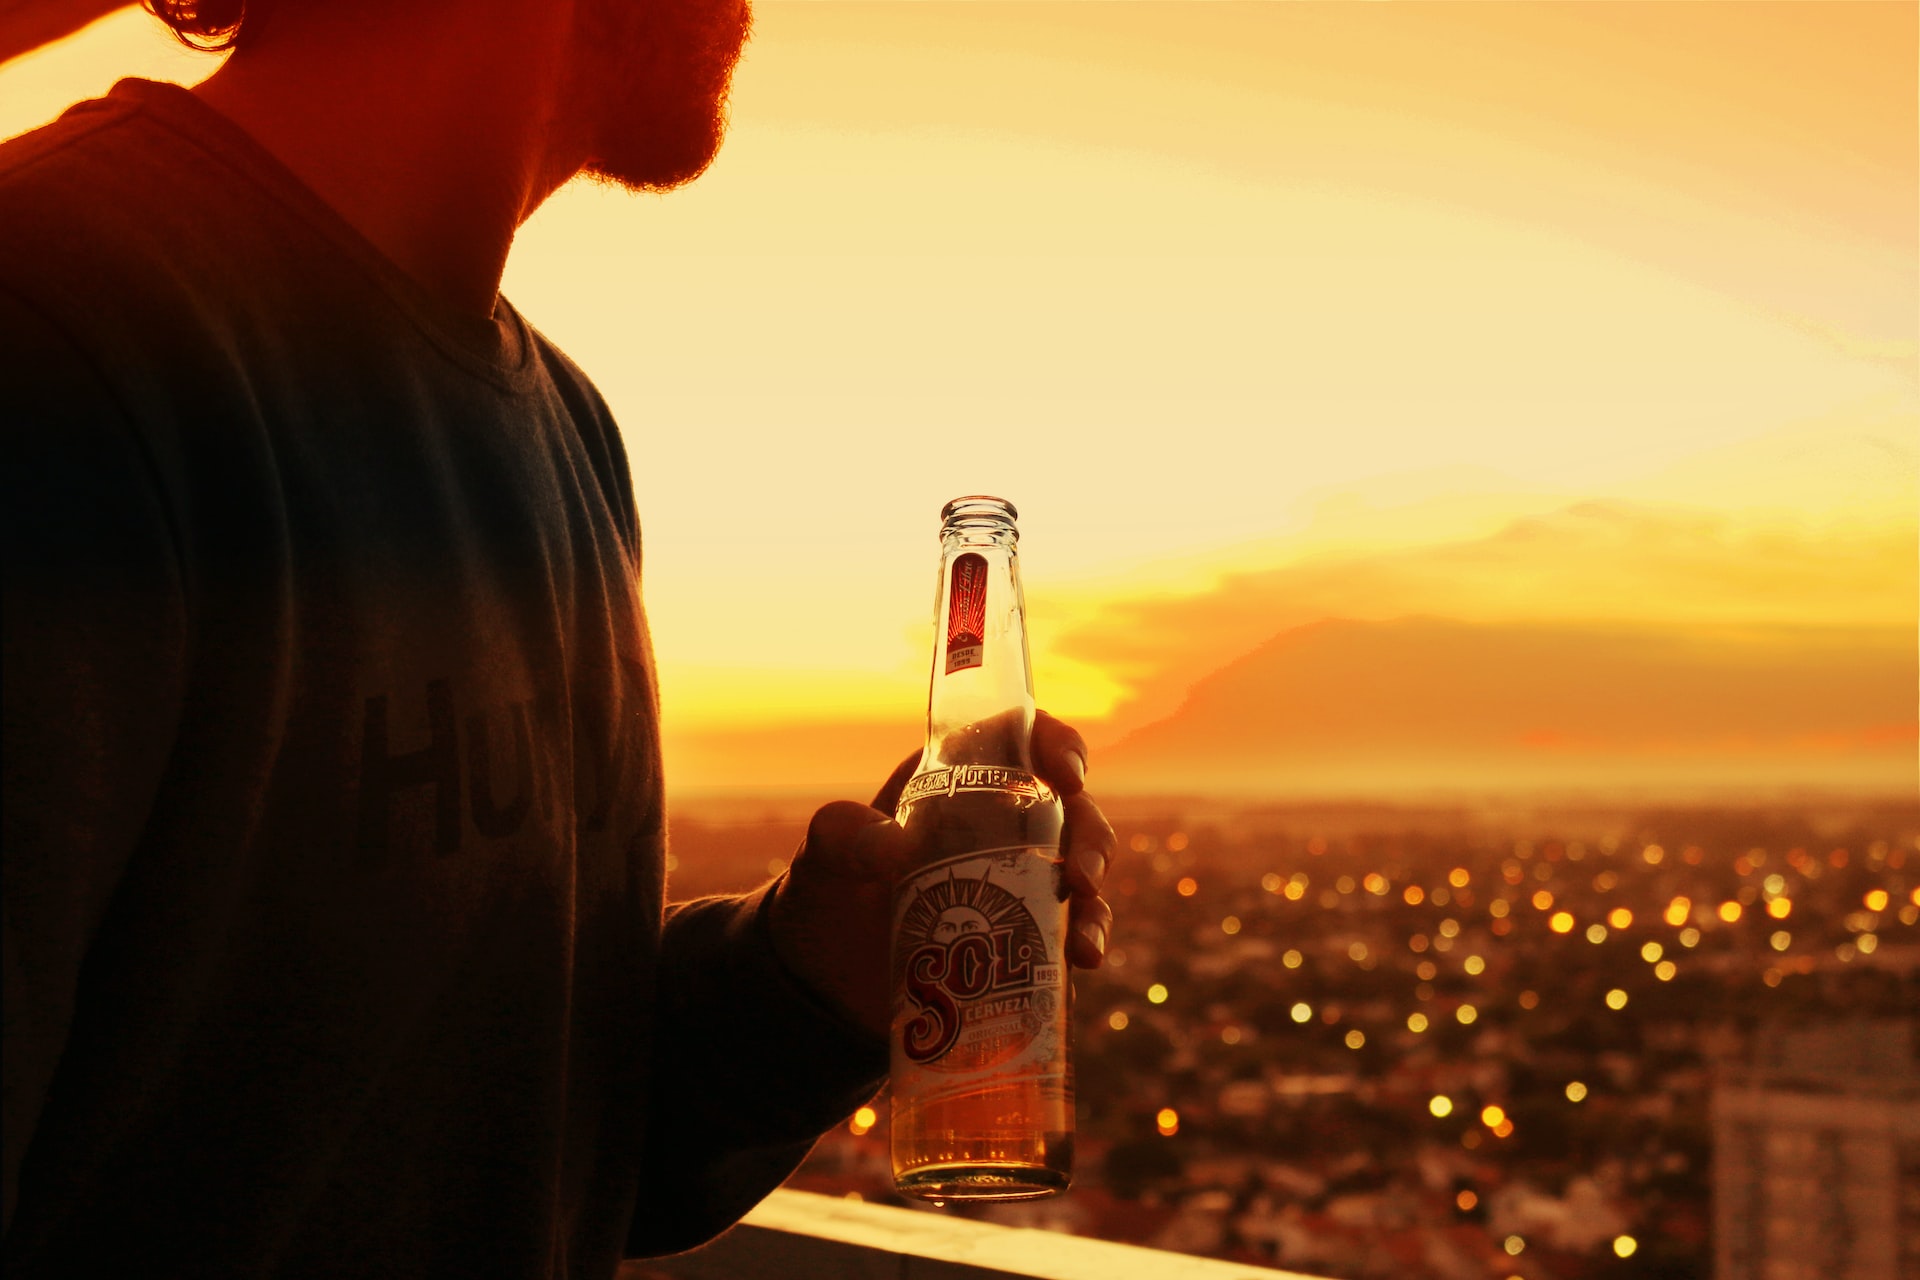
798	1235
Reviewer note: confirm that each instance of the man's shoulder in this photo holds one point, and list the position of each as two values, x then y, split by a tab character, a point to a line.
41	159
95	215
100	164
130	236
570	380
594	423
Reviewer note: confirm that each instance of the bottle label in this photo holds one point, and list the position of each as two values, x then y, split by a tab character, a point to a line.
973	777
978	977
967	613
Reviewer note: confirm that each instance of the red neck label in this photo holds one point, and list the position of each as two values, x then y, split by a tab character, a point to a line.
967	613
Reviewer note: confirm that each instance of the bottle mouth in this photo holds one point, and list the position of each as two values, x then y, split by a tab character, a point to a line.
979	511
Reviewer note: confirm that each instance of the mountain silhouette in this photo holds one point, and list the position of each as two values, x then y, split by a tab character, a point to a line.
1424	702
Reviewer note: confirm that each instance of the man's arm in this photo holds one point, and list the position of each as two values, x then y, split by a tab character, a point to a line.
95	641
775	1007
750	1069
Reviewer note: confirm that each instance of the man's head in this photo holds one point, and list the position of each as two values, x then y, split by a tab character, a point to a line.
644	81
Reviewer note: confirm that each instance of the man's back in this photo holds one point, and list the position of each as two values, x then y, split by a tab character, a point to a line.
333	828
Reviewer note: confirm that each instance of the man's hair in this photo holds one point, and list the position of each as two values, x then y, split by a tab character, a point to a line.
210	25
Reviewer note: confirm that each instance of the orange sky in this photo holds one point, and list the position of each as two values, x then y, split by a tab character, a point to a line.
1537	320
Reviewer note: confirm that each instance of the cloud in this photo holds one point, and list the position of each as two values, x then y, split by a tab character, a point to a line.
1660	571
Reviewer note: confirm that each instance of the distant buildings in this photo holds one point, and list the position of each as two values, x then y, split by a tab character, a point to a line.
1421	1053
1817	1157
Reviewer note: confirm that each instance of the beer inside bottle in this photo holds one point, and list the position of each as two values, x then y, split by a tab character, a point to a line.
982	1080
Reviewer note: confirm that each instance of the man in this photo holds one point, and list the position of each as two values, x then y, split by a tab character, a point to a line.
333	827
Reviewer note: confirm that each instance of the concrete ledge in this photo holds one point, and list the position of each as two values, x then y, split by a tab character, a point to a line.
797	1235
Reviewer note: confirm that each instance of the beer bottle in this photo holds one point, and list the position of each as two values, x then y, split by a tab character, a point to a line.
982	1084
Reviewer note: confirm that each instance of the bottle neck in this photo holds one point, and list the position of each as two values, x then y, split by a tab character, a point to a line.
981	709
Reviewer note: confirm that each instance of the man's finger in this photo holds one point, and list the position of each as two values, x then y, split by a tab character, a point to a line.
1089	921
1088	845
1059	753
887	799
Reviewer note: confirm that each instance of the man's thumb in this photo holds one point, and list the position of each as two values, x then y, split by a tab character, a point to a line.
847	838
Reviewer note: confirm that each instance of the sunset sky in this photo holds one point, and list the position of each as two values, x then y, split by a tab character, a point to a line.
1560	359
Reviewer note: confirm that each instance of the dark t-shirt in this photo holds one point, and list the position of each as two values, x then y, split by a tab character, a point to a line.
334	941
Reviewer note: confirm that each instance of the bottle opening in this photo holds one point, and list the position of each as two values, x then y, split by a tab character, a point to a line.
979	511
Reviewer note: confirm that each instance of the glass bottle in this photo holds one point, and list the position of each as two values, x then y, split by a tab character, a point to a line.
982	1079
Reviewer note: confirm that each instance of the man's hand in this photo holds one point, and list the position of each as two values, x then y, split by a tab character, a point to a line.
832	914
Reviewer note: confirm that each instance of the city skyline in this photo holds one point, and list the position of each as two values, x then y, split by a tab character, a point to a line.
1562	1046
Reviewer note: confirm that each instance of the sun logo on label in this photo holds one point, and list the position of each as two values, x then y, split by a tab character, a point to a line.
969	951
